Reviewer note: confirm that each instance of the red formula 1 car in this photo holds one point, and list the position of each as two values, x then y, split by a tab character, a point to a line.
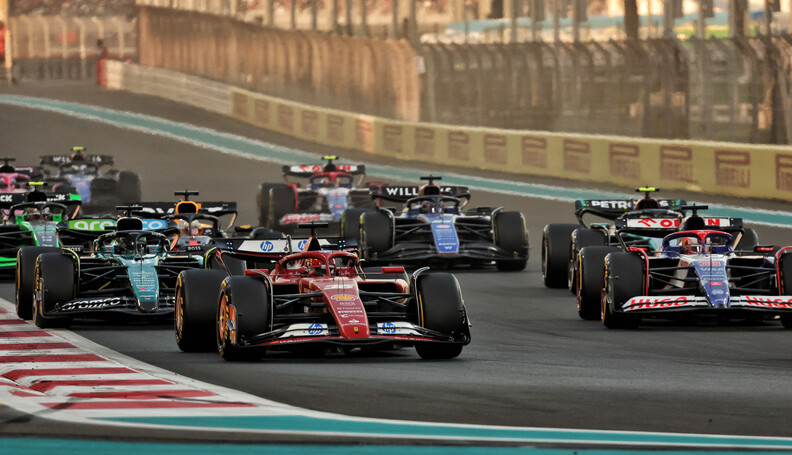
319	298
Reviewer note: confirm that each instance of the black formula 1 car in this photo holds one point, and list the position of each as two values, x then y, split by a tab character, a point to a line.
101	189
318	298
696	273
329	191
432	228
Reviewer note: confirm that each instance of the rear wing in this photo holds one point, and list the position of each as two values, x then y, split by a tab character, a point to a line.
57	160
610	209
79	234
405	193
307	170
274	249
159	209
9	200
667	225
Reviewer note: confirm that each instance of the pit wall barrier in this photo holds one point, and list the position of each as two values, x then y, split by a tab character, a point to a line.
707	167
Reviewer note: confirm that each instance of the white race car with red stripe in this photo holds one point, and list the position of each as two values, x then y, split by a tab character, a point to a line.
697	273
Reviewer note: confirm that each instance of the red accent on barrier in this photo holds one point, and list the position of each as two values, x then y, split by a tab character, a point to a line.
35	346
44	386
17	374
145	394
25	334
143	405
52	358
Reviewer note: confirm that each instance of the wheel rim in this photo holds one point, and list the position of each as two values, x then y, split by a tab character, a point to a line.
179	314
225	323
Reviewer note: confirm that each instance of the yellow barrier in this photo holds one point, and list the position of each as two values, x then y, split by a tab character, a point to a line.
707	167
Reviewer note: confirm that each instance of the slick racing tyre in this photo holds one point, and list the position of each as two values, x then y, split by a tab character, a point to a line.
196	306
556	239
511	235
128	187
441	310
375	234
263	203
25	278
283	201
623	280
581	238
785	270
54	284
243	310
350	222
589	269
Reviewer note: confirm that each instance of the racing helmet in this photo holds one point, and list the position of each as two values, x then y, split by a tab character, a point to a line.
183	226
124	245
195	228
77	154
32	214
690	245
426	207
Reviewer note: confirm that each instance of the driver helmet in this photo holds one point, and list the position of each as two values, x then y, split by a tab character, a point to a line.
124	245
32	214
183	226
141	246
327	182
78	154
426	207
690	245
195	228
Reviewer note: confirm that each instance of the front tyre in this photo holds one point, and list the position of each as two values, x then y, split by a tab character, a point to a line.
54	276
590	269
785	288
556	239
441	310
623	280
196	305
375	234
25	278
511	235
242	311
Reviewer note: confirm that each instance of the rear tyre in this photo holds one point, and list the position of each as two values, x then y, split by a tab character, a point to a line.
196	306
441	310
556	239
263	203
283	201
243	310
623	280
511	235
25	278
375	234
581	238
129	187
590	269
54	277
350	222
748	241
785	269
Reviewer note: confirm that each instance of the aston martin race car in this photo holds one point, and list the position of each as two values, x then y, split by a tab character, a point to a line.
15	179
31	219
320	298
696	273
129	273
432	228
101	190
330	190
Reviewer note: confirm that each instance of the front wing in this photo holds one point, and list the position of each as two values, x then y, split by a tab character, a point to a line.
688	303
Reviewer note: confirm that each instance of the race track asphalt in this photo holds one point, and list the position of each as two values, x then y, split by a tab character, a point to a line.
532	361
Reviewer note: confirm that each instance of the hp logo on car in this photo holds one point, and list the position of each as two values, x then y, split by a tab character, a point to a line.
315	329
301	244
267	246
388	327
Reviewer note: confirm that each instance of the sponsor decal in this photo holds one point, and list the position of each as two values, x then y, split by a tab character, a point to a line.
267	246
301	244
193	248
335	128
717	292
364	134
315	329
392	138
733	168
676	163
424	142
91	225
717	283
495	148
783	172
534	151
611	204
91	304
295	218
309	123
6	198
458	145
711	264
577	156
388	327
354	321
645	303
153	225
653	223
401	191
625	160
261	112
285	117
344	297
239	104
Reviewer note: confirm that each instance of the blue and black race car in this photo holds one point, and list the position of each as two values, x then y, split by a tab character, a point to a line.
432	228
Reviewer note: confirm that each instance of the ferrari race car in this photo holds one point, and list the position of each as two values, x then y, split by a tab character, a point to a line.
129	272
31	219
433	228
14	179
696	273
82	174
331	188
319	298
